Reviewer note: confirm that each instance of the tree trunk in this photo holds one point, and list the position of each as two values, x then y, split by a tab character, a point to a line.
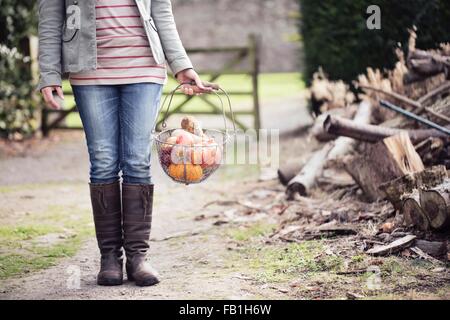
372	133
344	145
433	248
436	205
288	171
413	213
332	150
382	162
306	178
395	189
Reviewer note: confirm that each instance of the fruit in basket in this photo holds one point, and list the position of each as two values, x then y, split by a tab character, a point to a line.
205	155
165	159
168	144
181	132
180	154
193	172
197	154
212	155
185	139
192	125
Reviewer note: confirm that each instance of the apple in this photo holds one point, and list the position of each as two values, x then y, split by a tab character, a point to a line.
168	144
185	139
212	155
180	154
197	154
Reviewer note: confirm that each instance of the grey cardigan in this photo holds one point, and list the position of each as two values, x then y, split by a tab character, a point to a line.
67	37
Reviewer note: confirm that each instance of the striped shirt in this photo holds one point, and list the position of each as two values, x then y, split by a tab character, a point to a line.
123	50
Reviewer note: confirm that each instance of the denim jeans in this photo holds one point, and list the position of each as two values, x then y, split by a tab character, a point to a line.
118	121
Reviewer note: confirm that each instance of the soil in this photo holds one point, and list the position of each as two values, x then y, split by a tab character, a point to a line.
191	244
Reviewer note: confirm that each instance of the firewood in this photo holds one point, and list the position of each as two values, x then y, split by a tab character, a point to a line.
431	151
332	150
317	131
373	133
425	255
327	95
433	248
306	178
288	171
436	204
413	213
396	246
403	151
344	145
382	162
418	106
397	189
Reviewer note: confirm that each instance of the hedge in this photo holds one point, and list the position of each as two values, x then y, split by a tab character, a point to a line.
336	37
18	19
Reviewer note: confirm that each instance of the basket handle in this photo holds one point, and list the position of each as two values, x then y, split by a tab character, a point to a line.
215	88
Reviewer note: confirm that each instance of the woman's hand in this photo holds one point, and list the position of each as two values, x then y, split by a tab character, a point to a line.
50	101
187	76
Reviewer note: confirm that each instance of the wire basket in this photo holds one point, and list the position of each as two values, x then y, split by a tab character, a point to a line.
192	161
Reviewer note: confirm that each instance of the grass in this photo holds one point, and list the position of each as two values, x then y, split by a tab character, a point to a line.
271	86
283	262
21	250
245	233
315	274
279	262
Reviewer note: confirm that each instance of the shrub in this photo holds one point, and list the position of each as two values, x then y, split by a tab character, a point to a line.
17	107
336	37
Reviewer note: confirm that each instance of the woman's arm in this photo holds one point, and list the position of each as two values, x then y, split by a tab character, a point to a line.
178	60
173	48
51	19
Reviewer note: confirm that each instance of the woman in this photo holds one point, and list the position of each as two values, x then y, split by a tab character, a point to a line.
114	52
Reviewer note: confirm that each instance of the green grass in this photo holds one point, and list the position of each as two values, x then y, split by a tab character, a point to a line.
22	252
272	86
246	233
282	262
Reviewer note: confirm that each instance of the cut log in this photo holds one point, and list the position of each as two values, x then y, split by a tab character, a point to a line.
425	255
309	173
332	150
431	151
396	246
433	248
396	189
383	162
289	171
344	145
372	133
436	205
404	153
413	214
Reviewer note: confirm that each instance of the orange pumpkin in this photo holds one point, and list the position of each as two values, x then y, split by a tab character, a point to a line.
193	172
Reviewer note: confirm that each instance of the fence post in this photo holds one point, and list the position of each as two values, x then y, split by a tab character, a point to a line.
254	52
44	122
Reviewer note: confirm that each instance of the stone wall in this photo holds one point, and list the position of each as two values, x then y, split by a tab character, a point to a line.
206	23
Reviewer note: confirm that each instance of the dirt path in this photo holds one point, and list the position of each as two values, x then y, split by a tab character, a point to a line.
191	256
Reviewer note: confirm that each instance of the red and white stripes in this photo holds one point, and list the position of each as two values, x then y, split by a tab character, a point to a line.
123	51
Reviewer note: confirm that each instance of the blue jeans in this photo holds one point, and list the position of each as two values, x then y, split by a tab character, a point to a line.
118	121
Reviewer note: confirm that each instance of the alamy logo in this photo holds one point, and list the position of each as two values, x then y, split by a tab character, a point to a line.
373	282
73	17
373	22
73	281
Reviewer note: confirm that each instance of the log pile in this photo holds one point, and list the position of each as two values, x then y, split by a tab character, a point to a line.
391	156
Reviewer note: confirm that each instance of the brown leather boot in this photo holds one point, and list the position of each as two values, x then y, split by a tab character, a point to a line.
137	202
106	207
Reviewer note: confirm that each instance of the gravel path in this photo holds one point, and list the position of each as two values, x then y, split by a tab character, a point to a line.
192	266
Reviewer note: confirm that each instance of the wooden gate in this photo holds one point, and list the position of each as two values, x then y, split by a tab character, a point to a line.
249	54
